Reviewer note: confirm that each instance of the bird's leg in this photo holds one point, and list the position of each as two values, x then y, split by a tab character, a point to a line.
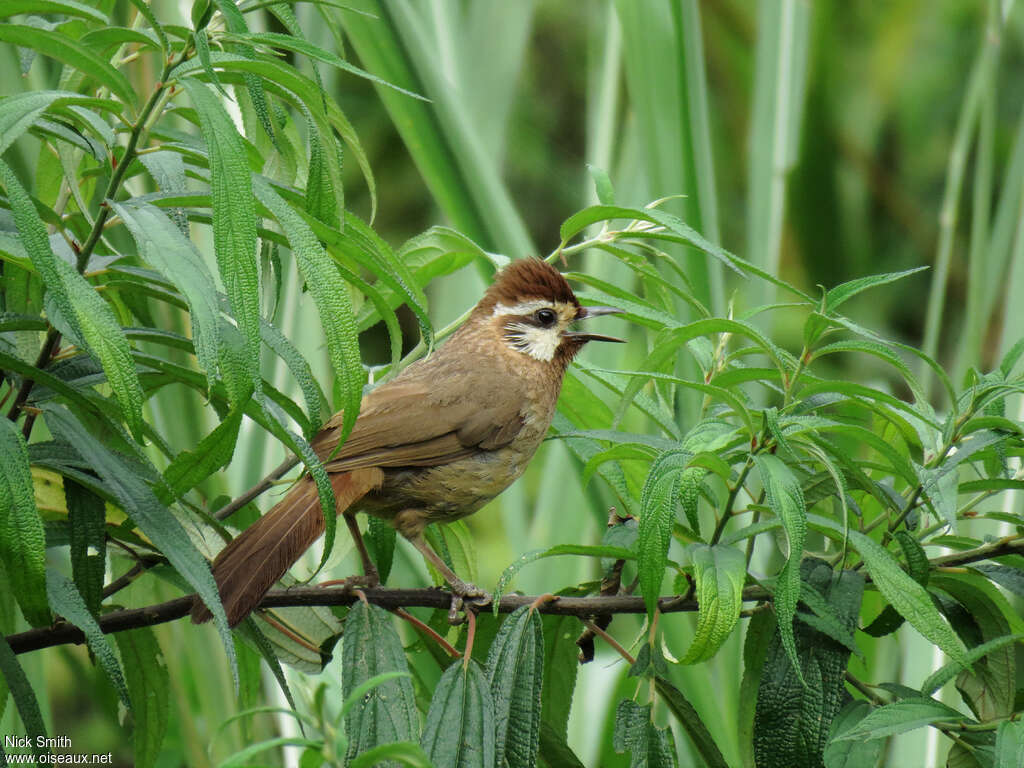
371	575
461	590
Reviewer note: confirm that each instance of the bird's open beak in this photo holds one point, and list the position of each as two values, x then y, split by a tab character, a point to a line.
585	312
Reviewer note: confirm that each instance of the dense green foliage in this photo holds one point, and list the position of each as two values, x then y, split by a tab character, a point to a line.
195	276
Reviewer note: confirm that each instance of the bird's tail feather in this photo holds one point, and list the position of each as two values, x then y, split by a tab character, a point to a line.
255	559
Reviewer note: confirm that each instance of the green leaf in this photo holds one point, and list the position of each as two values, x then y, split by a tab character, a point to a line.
553	749
1010	744
189	468
648	745
900	717
786	499
719	573
387	713
298	45
561	664
947	672
87	524
907	596
848	290
515	669
250	632
81	306
66	7
149	688
380	540
795	709
24	697
690	720
243	758
67	50
234	215
21	111
163	245
851	754
22	540
404	752
139	502
460	727
760	634
67	602
657	515
602	185
584	550
988	688
332	299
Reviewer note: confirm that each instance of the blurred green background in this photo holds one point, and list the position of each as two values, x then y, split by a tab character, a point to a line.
821	141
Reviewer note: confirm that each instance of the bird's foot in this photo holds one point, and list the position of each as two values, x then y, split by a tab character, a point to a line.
465	596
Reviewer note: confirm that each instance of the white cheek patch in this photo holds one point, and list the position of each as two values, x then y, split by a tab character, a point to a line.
538	343
522	308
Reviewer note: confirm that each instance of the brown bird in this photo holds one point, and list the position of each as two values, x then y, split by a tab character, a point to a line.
436	443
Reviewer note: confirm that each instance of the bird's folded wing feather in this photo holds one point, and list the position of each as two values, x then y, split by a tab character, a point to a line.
412	424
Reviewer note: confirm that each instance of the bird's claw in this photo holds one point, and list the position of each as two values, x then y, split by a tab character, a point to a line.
463	594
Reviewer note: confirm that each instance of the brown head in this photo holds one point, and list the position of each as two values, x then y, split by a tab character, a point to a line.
531	306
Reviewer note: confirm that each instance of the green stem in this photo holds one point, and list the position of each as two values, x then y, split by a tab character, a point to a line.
733	493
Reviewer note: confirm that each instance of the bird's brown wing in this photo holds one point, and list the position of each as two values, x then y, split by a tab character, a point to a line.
411	424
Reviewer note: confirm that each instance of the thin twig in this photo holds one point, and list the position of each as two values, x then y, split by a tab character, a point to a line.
610	640
429	631
260	488
583	607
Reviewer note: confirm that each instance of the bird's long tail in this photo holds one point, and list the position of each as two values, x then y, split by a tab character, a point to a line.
255	559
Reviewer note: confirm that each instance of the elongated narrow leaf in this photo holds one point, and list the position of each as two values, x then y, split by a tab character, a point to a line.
648	745
657	515
786	499
584	550
20	111
67	602
387	713
90	316
908	597
901	716
189	468
459	731
163	245
298	45
515	669
66	49
22	541
138	501
795	708
719	573
848	290
234	214
24	697
689	719
947	672
760	633
332	299
149	688
66	7
87	524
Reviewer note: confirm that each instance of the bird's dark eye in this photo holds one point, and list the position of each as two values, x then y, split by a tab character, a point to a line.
545	317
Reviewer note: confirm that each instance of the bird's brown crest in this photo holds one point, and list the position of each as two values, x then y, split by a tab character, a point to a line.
526	279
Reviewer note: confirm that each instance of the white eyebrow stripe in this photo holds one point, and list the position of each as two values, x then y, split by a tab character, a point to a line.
522	308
